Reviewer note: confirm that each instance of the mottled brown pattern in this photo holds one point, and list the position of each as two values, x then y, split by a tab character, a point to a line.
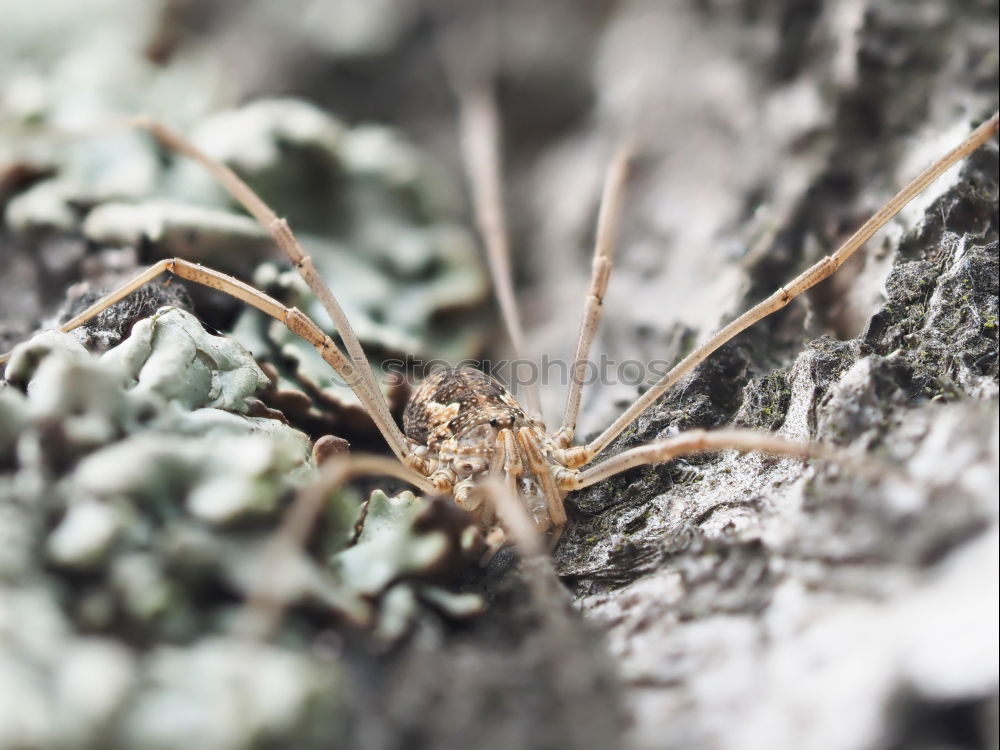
450	401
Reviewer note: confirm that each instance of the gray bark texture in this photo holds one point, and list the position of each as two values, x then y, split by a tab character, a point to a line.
747	601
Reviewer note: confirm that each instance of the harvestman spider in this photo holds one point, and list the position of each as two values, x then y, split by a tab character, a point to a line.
464	433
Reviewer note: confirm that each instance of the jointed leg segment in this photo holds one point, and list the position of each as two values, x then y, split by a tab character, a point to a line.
265	605
607	227
690	443
479	125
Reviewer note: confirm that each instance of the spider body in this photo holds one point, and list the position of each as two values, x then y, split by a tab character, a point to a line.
473	427
455	404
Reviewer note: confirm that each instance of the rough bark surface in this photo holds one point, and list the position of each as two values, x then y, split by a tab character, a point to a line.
753	602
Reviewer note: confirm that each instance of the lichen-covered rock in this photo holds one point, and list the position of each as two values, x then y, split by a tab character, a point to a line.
403	537
229	694
140	505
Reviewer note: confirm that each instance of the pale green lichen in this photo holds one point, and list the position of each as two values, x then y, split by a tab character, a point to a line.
387	548
138	505
179	361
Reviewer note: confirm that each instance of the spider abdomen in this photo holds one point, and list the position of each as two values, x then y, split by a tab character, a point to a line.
462	407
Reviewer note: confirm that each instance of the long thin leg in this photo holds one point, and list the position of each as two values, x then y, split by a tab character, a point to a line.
562	638
604	245
541	470
691	442
360	371
478	123
295	320
265	605
808	278
517	522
